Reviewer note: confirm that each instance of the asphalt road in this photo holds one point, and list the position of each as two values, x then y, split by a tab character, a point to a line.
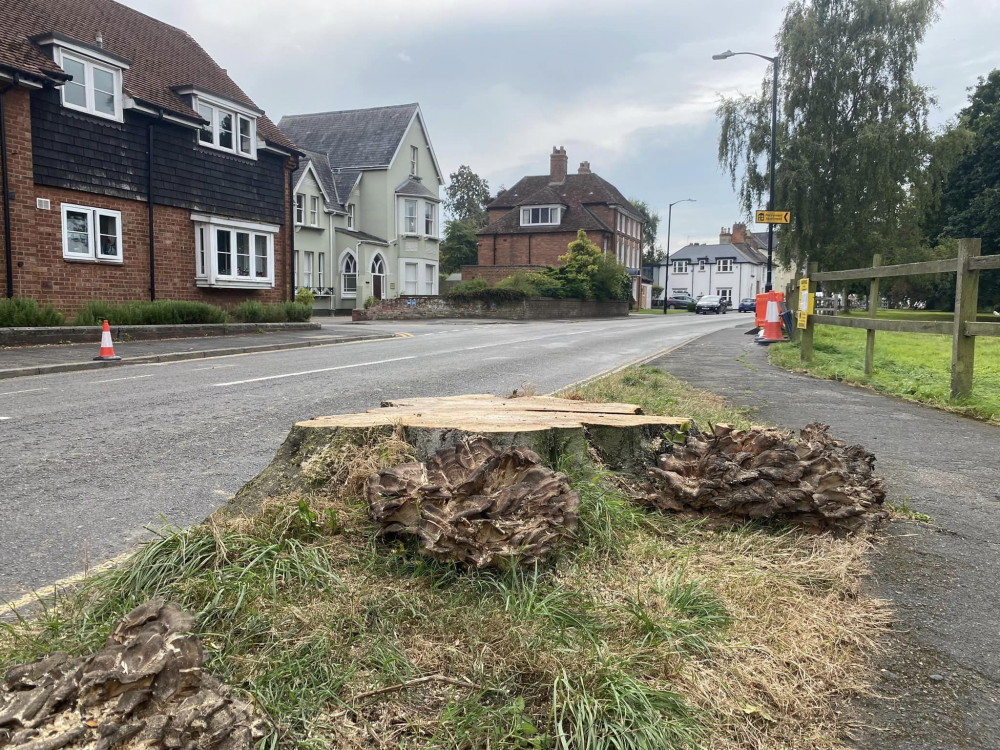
90	460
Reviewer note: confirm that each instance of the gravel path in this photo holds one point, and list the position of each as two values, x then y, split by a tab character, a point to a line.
939	683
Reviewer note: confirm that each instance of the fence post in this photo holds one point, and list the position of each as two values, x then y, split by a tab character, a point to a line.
806	347
963	351
872	313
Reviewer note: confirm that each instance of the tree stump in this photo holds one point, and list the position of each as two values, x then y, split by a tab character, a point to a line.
620	434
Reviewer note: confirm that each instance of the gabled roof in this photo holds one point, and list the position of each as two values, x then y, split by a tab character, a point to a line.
318	165
345	182
576	189
355	138
576	193
363	236
415	186
162	58
712	253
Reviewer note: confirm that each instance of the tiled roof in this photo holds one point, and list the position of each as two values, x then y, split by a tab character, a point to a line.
162	57
345	182
321	168
415	186
713	252
576	193
354	138
576	189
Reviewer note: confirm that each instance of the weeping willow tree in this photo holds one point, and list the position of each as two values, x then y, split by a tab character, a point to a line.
852	136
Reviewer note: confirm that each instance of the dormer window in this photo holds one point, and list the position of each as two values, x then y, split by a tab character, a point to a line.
226	127
96	88
540	215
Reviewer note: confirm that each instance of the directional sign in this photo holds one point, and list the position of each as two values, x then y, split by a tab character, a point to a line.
774	217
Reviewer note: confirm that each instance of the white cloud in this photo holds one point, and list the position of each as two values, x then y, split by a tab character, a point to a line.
403	57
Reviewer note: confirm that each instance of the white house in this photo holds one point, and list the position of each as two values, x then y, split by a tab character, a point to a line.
367	211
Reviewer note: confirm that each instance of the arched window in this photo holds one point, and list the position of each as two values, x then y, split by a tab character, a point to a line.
378	266
349	276
378	276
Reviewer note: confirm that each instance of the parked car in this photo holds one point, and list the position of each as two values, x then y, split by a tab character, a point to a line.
679	301
748	305
712	303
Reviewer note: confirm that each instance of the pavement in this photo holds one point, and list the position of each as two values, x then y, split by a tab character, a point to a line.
93	459
939	676
22	361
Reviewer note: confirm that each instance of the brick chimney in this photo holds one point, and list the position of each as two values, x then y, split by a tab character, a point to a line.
725	236
739	233
558	164
584	168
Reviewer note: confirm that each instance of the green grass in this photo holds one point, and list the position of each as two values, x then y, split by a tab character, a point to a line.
914	366
648	631
983	317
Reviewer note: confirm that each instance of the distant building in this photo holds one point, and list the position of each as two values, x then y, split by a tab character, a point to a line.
532	223
367	205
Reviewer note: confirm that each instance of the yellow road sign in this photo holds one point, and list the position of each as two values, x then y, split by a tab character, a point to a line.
774	217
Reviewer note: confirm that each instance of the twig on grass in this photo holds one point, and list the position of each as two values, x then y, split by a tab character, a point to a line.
413	682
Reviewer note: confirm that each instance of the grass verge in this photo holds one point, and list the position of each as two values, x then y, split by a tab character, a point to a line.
651	632
914	366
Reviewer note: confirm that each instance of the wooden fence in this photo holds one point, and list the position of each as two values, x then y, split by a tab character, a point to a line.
964	328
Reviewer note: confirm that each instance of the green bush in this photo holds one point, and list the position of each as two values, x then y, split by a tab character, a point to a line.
305	296
161	312
529	283
478	290
26	312
252	311
692	306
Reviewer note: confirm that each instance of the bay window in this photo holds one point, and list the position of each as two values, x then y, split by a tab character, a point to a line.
234	254
93	234
409	216
300	208
430	225
307	270
430	278
313	211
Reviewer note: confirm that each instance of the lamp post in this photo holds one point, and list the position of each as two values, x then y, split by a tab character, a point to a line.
666	276
774	128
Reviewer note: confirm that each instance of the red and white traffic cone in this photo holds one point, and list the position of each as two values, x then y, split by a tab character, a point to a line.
772	321
107	348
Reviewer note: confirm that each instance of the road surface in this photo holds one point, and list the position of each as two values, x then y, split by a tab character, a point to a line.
91	460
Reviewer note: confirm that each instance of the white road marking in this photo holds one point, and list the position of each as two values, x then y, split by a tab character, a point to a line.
3	418
130	377
311	372
27	390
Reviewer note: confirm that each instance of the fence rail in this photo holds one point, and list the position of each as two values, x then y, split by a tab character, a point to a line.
964	328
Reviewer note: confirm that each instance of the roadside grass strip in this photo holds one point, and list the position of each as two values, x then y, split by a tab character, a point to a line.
651	631
912	366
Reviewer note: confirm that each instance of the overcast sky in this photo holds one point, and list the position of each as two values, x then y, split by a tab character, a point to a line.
629	85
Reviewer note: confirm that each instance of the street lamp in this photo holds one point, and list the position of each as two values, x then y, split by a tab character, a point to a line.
666	276
774	127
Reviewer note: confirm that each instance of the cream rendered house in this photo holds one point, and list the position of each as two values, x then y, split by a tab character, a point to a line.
367	194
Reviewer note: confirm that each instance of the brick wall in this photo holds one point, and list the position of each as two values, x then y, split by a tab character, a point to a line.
543	248
493	274
415	308
40	272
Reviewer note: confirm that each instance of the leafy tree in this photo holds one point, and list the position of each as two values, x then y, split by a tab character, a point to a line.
970	202
852	135
460	246
650	223
466	197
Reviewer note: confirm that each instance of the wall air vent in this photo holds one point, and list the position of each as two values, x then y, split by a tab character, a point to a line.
43	204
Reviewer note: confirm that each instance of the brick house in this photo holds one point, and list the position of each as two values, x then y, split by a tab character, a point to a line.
134	168
531	224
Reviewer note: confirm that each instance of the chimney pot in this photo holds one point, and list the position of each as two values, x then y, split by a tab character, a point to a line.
584	168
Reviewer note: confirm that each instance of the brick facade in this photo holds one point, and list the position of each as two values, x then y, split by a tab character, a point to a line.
541	249
40	271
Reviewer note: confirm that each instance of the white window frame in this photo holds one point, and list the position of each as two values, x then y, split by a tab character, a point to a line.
341	267
308	265
313	210
414	160
300	209
430	219
407	281
320	262
89	64
410	229
206	229
239	114
430	283
701	265
680	266
93	231
725	293
350	216
554	216
724	265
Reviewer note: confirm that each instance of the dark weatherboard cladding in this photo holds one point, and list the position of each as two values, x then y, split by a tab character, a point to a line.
83	152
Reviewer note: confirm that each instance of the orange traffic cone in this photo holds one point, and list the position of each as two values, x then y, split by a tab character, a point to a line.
772	321
107	349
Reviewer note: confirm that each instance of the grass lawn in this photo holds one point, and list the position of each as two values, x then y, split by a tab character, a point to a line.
914	366
650	631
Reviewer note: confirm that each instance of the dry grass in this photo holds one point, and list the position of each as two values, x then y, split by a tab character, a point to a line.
651	631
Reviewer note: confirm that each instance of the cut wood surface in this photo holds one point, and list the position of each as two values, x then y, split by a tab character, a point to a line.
556	429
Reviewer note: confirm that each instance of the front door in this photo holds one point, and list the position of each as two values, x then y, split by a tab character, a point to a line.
378	276
377	287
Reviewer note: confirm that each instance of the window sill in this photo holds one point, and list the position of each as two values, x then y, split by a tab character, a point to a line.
235	284
229	151
94	261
